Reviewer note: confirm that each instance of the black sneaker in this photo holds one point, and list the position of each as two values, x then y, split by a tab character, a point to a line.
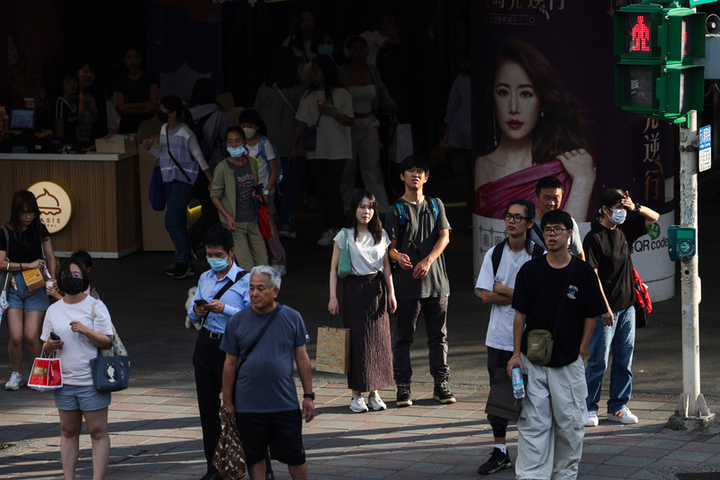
183	270
403	395
498	461
441	392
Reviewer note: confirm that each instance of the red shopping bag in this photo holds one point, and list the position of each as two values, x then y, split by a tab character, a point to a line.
263	220
46	374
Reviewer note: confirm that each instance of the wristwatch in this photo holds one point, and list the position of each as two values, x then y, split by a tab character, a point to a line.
637	207
266	192
311	396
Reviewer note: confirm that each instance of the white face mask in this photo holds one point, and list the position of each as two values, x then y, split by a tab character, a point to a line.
249	132
618	216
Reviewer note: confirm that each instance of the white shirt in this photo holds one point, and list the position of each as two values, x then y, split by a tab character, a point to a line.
500	329
263	168
77	349
366	256
333	138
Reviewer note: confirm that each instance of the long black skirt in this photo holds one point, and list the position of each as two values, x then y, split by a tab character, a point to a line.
365	313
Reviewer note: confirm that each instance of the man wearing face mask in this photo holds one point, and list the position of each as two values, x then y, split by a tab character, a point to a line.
222	291
607	249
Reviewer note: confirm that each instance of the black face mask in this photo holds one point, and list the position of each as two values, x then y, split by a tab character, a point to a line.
71	285
162	116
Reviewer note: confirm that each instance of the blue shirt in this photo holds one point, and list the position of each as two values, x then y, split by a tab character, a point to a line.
265	383
235	298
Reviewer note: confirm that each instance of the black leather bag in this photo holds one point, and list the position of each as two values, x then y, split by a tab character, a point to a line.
501	402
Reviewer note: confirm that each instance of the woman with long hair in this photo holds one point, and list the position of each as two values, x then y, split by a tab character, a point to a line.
368	95
368	295
537	131
75	327
27	248
328	107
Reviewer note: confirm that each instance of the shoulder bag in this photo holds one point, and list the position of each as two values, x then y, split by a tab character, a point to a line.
109	373
310	138
344	264
157	189
539	341
5	277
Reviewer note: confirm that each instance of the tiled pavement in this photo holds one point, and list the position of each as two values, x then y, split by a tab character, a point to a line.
155	433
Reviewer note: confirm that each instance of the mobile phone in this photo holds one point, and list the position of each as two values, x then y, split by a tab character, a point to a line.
200	302
54	336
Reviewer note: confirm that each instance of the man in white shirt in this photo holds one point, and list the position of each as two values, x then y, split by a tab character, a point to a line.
496	283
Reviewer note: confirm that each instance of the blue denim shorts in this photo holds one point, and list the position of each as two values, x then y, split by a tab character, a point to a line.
81	397
24	299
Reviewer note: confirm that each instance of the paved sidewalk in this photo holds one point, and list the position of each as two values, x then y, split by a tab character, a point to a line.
155	433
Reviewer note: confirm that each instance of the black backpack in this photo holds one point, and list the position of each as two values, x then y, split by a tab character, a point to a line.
537	251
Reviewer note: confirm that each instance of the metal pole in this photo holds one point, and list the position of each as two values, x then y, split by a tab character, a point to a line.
692	403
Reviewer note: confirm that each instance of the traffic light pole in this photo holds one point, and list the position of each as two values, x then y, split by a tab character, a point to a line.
692	412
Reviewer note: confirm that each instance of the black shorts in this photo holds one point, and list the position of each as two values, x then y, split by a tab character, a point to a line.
281	431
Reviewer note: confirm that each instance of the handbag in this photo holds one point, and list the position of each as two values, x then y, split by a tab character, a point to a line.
309	141
333	349
229	457
109	369
263	220
5	278
539	341
643	304
157	189
344	264
46	373
34	279
501	402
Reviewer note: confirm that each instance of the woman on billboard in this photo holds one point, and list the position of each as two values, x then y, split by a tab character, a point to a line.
538	131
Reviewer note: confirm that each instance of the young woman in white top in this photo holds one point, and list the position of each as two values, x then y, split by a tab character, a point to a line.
81	325
368	296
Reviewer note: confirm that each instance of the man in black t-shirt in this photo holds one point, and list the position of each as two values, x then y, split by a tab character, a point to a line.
419	232
607	247
560	294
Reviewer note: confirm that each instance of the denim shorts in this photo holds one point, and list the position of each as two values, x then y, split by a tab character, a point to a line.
81	397
24	299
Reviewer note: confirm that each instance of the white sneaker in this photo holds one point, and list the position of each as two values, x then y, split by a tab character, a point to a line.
624	415
15	382
375	402
280	269
592	420
357	404
326	239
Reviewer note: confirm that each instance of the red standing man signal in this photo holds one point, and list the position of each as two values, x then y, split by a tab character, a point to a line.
640	36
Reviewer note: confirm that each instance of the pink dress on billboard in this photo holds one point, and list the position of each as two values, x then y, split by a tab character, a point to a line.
491	199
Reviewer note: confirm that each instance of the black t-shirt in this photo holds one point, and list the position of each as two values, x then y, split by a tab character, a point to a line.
28	249
135	91
609	252
538	290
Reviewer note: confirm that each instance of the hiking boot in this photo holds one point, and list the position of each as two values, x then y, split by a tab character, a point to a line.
357	404
403	395
375	402
441	392
498	461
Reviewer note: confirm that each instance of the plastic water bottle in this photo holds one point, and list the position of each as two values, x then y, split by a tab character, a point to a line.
517	383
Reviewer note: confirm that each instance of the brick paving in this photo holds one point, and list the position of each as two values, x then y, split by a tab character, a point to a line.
155	433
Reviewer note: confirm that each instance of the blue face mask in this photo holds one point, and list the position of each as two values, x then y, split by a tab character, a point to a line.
326	49
217	264
618	216
236	152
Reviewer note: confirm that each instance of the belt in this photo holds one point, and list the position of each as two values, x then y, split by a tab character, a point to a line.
213	335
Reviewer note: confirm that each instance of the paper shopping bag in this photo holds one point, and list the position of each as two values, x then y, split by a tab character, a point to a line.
333	350
46	374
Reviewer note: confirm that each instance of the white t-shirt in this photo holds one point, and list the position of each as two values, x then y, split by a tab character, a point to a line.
77	349
333	138
500	329
263	168
366	256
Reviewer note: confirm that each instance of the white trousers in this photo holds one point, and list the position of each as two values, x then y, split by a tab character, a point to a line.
366	153
551	426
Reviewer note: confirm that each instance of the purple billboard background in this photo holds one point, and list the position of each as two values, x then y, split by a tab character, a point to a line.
630	152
